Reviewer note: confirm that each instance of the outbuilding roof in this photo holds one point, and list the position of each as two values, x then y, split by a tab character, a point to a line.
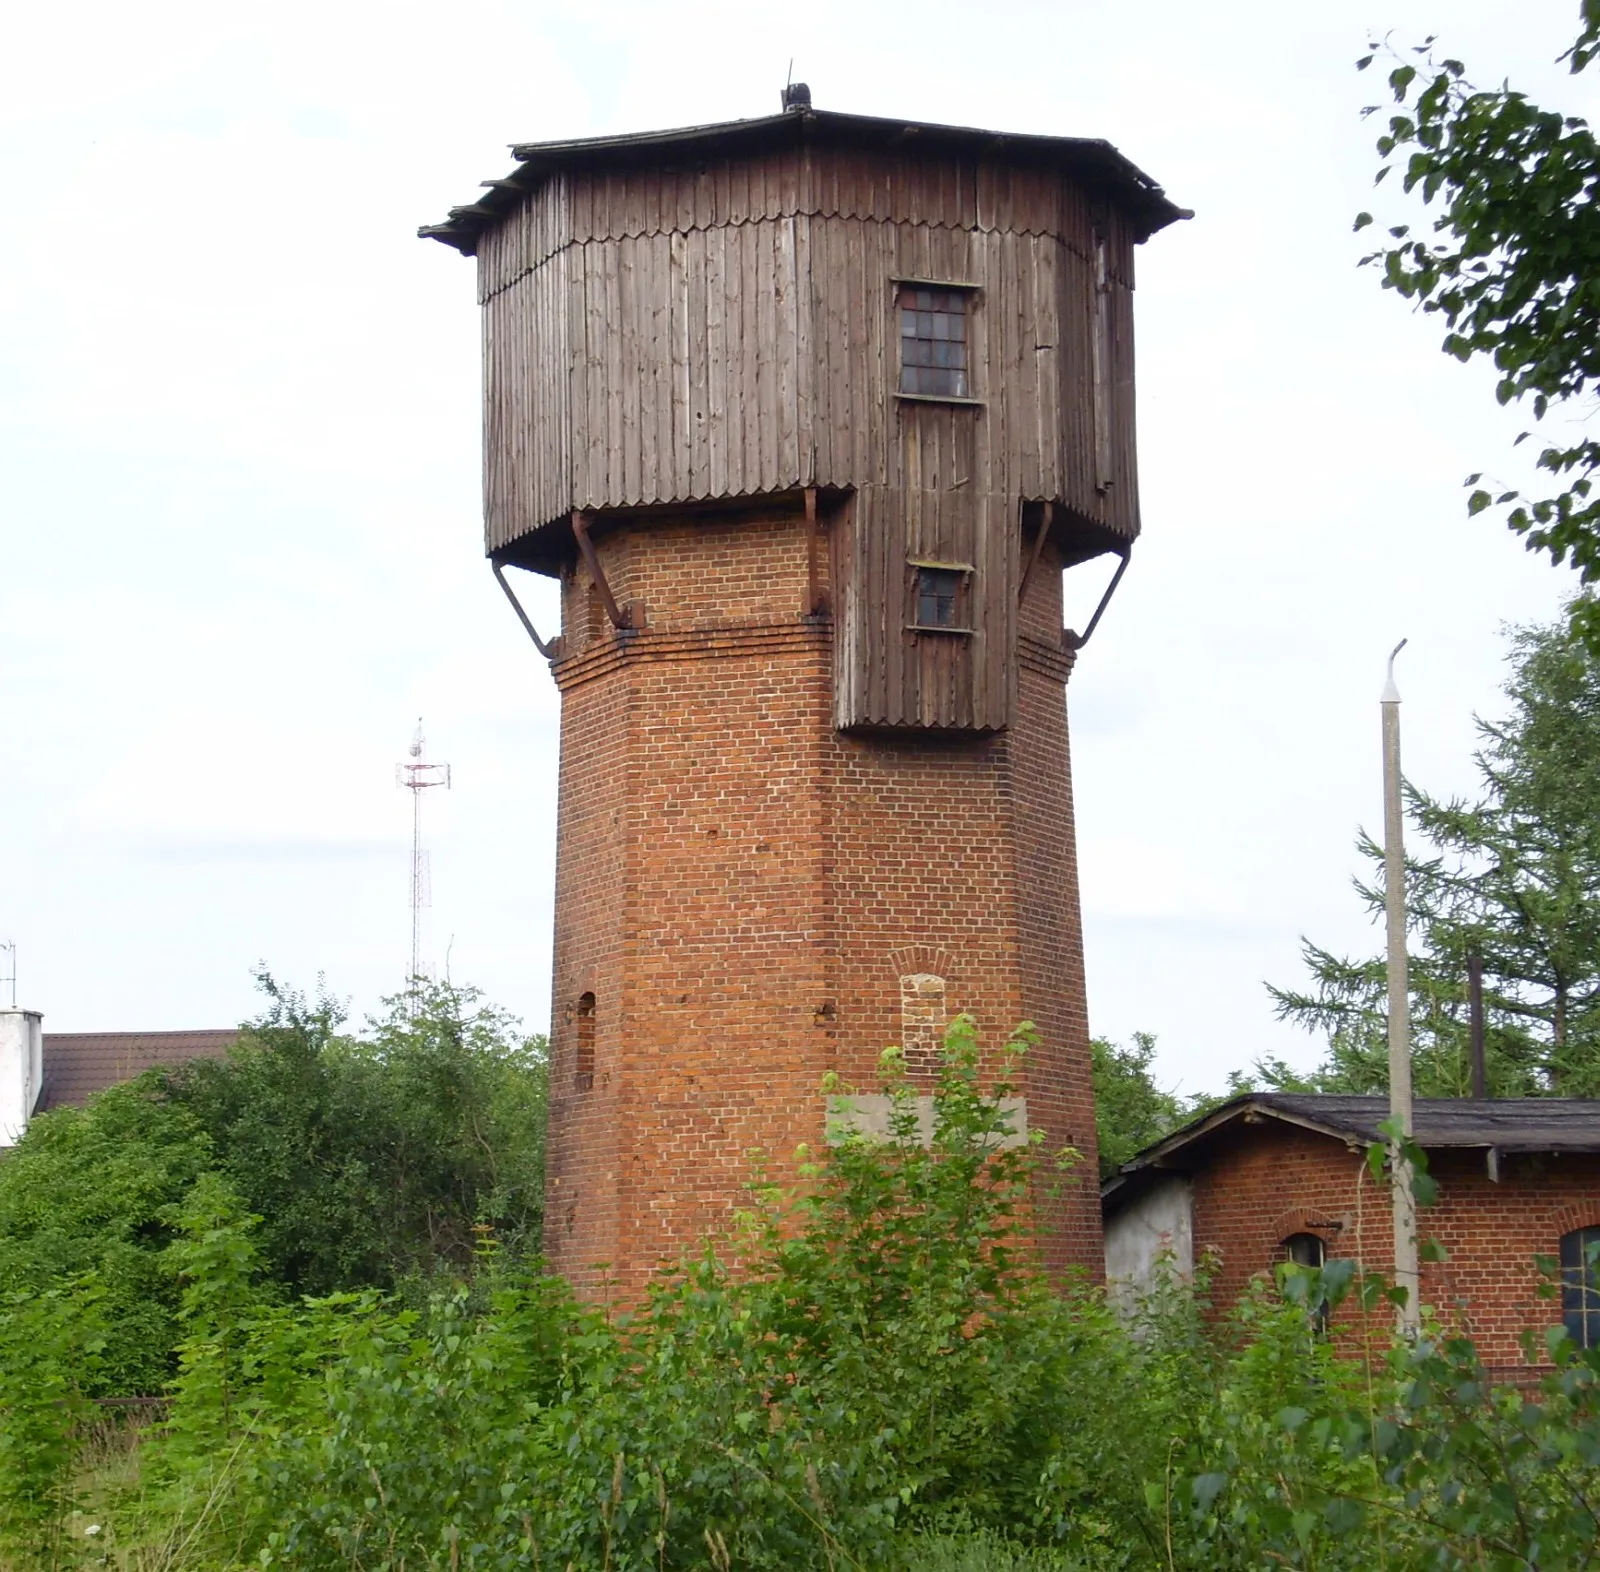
1509	1124
1095	161
79	1064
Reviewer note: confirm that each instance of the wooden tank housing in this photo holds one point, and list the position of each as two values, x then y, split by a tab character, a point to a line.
808	414
707	316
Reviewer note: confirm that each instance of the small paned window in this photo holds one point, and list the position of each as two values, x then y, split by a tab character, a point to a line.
933	341
1305	1250
583	1059
1580	1286
939	597
1309	1250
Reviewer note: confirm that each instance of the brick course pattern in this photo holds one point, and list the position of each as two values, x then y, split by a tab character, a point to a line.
743	888
1274	1180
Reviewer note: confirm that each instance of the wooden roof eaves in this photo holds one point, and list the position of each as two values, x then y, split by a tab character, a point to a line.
1169	1155
1158	1158
1094	159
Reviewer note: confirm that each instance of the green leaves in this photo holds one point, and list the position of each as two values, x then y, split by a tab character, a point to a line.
1510	267
1205	1489
46	1339
372	1159
1130	1110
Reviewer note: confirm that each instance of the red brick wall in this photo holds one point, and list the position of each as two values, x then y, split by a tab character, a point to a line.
1263	1183
742	887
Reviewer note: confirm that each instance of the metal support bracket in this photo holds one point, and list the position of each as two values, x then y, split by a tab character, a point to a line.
1076	641
591	560
1045	522
814	598
549	650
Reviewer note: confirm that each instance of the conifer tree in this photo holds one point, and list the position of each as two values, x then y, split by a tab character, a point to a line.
1513	876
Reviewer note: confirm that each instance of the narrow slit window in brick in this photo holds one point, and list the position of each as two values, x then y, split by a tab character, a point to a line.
583	1059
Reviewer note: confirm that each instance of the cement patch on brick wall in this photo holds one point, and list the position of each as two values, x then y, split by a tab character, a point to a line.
869	1115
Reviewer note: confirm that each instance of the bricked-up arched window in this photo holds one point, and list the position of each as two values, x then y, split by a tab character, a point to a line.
583	1033
1580	1286
922	1019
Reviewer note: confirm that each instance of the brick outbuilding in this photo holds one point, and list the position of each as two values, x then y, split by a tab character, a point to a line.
1270	1177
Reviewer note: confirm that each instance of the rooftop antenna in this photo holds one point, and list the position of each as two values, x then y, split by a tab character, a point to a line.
9	946
417	775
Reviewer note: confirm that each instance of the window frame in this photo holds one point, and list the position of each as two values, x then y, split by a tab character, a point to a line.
1580	1284
971	296
1320	1312
961	609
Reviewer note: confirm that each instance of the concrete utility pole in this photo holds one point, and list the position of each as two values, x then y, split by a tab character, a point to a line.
1406	1275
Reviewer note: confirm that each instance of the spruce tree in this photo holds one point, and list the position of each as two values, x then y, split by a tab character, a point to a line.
1513	876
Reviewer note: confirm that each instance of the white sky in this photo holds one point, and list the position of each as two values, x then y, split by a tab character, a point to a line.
239	526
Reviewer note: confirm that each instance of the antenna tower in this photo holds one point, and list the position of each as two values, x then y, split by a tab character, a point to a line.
417	775
9	947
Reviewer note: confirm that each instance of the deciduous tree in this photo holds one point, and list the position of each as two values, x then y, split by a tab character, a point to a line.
1511	263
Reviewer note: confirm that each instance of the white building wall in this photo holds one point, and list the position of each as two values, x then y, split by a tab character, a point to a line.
21	1070
1156	1229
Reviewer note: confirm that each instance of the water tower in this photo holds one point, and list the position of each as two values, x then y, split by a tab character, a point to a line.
808	414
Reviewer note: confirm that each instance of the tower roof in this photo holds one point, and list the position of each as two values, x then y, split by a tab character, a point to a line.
1094	161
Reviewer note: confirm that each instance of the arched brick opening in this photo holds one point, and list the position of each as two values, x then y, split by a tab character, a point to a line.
583	1039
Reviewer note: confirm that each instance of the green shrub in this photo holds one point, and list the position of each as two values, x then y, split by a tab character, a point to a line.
371	1159
886	1382
85	1196
46	1338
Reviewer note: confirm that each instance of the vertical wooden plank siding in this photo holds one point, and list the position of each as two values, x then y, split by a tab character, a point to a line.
679	335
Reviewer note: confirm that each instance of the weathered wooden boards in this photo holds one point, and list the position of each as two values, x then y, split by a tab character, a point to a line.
672	335
664	337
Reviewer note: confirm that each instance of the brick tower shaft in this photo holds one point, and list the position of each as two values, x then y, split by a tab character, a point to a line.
748	898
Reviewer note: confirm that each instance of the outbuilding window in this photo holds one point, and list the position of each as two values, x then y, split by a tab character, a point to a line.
934	361
1580	1286
1305	1250
1310	1251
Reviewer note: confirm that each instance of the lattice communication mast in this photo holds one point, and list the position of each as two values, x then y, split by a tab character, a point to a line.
417	775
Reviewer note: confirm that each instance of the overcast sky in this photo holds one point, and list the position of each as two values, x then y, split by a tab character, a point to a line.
240	544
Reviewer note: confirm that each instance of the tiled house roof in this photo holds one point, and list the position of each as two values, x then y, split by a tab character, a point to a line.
78	1064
